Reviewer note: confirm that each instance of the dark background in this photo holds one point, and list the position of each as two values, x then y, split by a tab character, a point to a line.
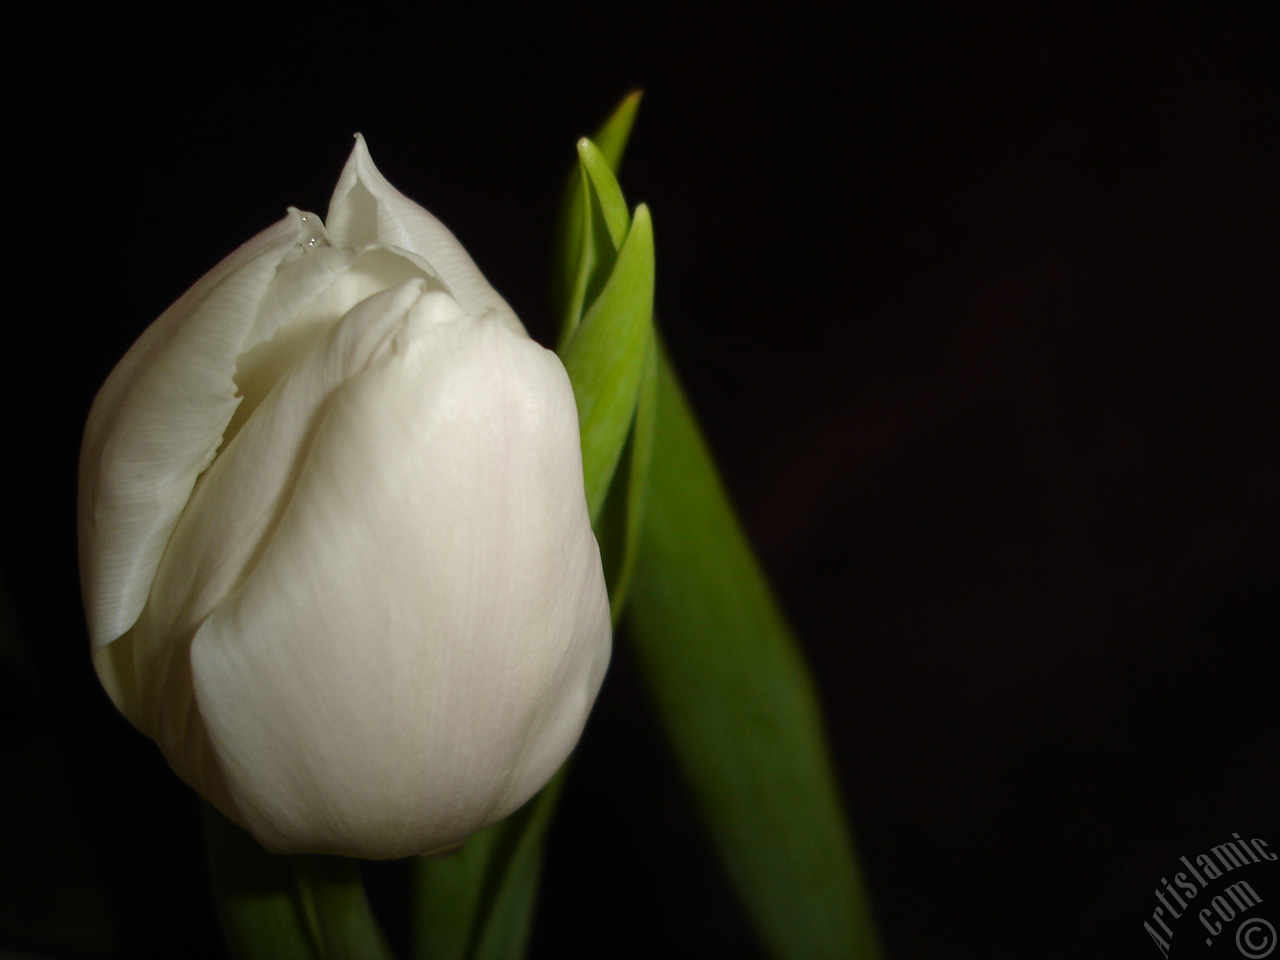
978	306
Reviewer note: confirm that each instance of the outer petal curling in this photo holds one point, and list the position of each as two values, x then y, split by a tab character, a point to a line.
157	423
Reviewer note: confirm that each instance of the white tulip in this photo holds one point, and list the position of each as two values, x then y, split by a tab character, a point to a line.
334	545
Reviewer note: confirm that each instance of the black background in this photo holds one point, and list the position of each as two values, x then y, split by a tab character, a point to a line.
978	306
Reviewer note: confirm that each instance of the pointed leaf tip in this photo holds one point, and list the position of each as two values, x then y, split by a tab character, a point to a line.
614	133
583	255
613	206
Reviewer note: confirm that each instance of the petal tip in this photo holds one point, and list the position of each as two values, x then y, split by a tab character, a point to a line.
361	158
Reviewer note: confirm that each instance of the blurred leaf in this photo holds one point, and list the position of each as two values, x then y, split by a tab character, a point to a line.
738	704
255	895
614	133
448	893
288	908
478	904
332	897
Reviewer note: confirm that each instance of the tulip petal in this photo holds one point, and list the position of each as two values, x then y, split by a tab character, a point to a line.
366	208
307	299
146	678
158	421
241	498
235	507
397	694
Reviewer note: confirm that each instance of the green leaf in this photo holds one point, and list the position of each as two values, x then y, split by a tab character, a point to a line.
614	133
603	228
619	524
611	139
613	207
606	357
479	903
287	908
332	900
595	258
447	895
739	706
255	895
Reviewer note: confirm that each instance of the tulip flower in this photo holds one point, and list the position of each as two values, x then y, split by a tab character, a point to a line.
335	552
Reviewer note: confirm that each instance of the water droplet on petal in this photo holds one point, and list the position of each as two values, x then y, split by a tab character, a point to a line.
313	236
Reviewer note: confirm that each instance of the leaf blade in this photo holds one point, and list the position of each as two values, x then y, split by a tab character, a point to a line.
614	133
478	904
622	514
738	704
611	138
613	206
605	358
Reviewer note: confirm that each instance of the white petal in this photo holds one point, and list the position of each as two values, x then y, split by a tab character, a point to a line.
232	513
366	208
158	420
306	300
417	648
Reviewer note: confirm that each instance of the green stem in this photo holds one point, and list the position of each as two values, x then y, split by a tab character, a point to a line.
332	900
274	907
479	903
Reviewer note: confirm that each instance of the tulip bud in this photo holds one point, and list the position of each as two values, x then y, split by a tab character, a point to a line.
335	552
